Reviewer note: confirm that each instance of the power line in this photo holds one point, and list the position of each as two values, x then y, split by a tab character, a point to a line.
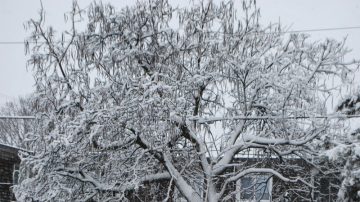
216	119
11	42
289	32
323	29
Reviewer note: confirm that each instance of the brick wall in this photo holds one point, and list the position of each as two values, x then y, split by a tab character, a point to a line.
8	159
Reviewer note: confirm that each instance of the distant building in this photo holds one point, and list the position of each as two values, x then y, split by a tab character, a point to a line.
9	165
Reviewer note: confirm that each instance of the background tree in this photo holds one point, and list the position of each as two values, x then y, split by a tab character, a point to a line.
14	131
152	93
344	151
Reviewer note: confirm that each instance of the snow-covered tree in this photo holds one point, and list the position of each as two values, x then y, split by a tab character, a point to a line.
344	151
152	94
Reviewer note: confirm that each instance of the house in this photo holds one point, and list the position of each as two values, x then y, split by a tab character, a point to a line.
260	187
255	187
9	164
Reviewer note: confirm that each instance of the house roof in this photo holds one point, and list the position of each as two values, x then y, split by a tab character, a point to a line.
12	147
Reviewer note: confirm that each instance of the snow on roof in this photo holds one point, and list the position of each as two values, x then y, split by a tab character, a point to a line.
13	147
17	117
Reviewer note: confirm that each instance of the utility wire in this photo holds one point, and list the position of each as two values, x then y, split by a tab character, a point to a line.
323	29
11	42
289	32
214	119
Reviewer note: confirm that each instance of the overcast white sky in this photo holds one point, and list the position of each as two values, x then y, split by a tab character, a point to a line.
16	81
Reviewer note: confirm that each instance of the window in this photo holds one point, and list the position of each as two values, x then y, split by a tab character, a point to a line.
16	173
255	188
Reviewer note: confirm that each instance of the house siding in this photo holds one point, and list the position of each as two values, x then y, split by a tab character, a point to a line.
9	159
